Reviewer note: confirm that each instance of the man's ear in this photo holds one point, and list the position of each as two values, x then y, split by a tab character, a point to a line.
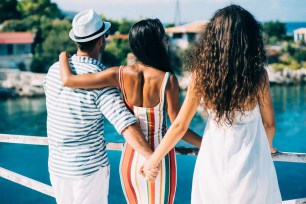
100	41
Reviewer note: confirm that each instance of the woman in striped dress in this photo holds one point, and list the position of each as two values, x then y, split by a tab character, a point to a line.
151	91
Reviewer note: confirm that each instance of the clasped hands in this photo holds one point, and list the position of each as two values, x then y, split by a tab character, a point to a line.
149	170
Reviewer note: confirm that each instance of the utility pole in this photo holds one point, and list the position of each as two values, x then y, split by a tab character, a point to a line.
177	14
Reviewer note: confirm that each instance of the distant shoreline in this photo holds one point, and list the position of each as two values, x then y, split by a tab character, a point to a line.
14	83
290	26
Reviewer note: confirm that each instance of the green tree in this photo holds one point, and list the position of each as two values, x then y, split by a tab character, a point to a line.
115	24
39	25
300	55
40	8
116	52
275	29
55	41
14	25
170	25
8	10
125	26
30	23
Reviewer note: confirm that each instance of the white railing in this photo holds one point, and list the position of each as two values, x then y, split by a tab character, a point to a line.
47	190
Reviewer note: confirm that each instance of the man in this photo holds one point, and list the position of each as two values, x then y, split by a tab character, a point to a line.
78	162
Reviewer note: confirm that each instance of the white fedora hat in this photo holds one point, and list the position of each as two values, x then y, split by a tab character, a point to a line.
87	25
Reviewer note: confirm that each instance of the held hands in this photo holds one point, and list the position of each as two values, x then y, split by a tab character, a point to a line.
273	150
149	170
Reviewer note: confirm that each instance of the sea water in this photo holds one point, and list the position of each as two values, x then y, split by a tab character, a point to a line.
27	116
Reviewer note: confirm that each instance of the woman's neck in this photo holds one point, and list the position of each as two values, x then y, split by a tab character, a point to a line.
142	66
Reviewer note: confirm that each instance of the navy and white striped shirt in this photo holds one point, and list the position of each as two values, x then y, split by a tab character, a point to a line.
75	121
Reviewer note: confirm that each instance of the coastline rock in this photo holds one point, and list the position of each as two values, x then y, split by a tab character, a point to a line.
17	83
277	77
286	76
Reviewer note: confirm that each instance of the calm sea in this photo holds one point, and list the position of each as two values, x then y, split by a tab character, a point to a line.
291	26
26	116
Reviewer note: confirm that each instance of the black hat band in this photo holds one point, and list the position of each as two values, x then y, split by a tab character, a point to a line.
95	33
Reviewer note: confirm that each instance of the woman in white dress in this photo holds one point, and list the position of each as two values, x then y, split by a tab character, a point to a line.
234	164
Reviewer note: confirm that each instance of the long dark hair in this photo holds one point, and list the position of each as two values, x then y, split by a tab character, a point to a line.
146	42
228	63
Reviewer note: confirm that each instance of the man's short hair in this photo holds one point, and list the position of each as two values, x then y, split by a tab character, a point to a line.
87	46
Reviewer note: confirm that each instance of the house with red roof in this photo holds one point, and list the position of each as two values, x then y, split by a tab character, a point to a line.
16	50
181	36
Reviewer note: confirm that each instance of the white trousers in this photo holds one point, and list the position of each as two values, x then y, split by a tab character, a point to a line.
91	189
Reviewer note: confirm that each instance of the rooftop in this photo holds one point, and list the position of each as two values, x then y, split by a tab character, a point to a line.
118	36
300	30
16	37
194	27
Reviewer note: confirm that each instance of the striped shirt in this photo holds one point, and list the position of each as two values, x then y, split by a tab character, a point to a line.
75	121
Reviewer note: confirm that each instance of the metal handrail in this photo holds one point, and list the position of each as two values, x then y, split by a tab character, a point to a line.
47	190
39	140
26	181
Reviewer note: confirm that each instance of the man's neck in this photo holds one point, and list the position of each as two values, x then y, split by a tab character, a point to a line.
93	55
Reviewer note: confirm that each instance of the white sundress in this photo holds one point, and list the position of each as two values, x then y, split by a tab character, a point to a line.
234	164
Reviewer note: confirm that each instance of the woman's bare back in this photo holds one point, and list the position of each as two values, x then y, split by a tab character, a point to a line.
142	85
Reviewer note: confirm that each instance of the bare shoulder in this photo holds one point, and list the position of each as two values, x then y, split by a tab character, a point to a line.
264	78
130	69
114	70
264	83
132	73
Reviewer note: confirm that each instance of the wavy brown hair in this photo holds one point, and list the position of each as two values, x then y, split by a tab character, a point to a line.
228	63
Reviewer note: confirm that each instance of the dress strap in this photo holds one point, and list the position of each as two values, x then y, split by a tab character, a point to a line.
163	88
121	83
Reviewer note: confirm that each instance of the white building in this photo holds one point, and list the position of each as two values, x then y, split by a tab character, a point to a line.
16	49
181	36
300	34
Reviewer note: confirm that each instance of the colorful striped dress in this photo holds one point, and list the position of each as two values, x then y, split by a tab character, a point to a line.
136	188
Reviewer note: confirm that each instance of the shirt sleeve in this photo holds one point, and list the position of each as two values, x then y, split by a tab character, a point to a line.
113	108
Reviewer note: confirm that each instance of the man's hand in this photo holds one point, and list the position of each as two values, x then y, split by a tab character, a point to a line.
64	55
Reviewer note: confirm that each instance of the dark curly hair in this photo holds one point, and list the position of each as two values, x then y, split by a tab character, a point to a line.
228	63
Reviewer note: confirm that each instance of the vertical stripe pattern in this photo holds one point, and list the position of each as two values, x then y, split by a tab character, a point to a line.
153	124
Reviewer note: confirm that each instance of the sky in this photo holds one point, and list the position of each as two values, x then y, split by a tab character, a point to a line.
190	10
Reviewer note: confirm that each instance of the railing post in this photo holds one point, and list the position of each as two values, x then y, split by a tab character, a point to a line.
27	182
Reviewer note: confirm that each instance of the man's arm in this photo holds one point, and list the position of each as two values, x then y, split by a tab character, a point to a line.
134	137
113	108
